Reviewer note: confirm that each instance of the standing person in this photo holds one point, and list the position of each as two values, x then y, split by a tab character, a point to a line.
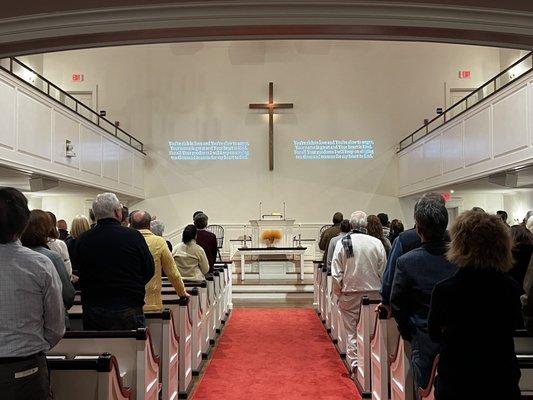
527	298
503	215
163	261
330	233
57	245
346	227
417	272
158	228
115	264
406	241
80	224
356	269
474	314
32	319
62	228
396	227
205	239
375	229
125	216
92	218
522	251
35	237
190	258
385	223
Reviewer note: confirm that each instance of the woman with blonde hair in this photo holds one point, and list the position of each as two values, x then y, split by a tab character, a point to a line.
474	313
80	224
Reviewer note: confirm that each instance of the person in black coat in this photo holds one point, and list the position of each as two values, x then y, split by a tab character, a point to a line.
522	251
474	314
206	240
417	272
115	264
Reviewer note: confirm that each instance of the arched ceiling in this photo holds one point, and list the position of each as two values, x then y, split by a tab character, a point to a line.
27	26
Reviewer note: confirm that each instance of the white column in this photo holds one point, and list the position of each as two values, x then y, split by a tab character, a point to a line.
302	266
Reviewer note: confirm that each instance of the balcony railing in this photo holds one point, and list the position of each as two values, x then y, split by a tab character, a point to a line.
24	73
500	81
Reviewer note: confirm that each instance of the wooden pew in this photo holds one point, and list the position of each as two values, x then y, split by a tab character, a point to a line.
323	291
382	346
341	331
328	299
334	320
365	327
318	289
428	392
213	301
218	286
198	306
181	312
401	372
524	352
205	312
166	345
227	268
87	378
316	283
133	350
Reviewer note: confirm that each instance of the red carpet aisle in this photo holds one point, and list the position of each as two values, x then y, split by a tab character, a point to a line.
275	354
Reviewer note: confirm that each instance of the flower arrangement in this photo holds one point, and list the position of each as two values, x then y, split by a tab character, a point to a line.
269	236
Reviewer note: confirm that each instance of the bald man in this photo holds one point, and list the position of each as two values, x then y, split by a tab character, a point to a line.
163	261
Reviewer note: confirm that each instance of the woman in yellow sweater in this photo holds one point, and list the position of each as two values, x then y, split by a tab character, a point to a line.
190	257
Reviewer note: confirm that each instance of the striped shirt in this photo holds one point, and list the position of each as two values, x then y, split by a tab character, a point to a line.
32	315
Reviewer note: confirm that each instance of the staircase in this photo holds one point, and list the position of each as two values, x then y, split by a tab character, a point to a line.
255	292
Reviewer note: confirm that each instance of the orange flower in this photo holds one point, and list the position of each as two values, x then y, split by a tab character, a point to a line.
270	235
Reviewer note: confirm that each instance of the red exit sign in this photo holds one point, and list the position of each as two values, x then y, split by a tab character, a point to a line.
466	74
77	77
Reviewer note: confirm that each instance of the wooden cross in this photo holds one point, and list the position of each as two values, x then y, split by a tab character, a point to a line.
271	106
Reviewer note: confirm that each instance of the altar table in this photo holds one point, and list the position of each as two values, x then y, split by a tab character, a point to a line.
264	251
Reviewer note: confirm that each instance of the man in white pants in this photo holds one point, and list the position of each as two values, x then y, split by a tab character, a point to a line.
356	269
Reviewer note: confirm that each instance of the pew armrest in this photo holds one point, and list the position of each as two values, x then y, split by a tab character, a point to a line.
425	392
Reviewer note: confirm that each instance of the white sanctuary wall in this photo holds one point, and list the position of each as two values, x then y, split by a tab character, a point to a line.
340	90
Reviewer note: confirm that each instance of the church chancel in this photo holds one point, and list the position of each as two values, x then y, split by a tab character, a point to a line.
280	257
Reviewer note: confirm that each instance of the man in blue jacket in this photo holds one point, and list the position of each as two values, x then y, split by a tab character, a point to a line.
417	272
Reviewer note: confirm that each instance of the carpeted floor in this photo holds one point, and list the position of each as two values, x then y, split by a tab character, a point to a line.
275	354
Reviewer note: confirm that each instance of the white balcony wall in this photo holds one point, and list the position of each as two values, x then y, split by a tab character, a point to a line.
33	132
493	136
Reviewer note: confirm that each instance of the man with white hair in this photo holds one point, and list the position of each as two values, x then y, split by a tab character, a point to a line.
356	268
115	264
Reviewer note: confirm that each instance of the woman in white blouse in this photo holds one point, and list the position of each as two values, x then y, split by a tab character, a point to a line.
58	245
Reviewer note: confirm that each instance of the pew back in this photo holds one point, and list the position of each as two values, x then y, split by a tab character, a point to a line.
133	350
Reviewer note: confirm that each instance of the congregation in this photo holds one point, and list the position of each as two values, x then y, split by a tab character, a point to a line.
457	294
117	261
438	284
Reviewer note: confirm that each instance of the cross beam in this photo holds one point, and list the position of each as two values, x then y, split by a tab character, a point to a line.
270	106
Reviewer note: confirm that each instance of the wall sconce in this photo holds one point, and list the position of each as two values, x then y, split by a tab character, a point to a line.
69	149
